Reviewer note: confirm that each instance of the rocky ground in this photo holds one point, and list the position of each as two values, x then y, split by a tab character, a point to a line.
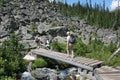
50	74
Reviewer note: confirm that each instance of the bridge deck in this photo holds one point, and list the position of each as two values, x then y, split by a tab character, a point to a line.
85	63
107	73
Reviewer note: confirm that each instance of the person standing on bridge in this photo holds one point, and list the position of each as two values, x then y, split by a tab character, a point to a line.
70	44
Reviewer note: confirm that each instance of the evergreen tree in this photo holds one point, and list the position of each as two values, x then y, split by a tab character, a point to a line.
98	15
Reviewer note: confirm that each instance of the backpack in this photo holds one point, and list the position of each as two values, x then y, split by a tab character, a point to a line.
72	39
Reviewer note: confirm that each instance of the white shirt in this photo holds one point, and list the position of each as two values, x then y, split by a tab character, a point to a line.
47	43
68	38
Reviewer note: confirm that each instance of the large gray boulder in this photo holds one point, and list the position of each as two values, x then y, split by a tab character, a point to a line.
58	31
45	74
64	74
3	34
27	76
28	44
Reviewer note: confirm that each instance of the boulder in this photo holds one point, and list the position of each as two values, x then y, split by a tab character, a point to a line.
45	74
58	31
28	44
64	74
3	34
27	76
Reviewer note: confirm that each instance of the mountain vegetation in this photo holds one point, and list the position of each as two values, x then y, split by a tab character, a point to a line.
11	58
98	15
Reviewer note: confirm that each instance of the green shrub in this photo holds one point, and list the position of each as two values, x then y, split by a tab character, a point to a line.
112	47
98	51
40	62
80	49
60	47
11	59
6	78
2	2
33	27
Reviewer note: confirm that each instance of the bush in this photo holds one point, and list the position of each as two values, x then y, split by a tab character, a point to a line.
60	47
95	50
11	57
6	78
33	27
2	2
80	49
101	52
40	62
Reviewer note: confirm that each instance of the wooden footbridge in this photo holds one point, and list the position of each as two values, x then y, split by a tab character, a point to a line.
87	68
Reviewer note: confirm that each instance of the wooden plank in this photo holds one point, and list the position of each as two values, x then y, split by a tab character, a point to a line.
56	53
107	73
109	77
82	61
97	63
81	58
88	59
91	62
85	60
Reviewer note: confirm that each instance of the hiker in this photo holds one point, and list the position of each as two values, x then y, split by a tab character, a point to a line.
37	40
47	43
70	44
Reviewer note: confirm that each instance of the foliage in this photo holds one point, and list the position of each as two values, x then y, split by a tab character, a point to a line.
115	62
97	15
6	78
60	47
40	62
2	2
98	51
80	49
62	65
11	57
33	27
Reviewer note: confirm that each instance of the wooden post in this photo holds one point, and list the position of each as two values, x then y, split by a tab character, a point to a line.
82	77
29	67
115	53
82	73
